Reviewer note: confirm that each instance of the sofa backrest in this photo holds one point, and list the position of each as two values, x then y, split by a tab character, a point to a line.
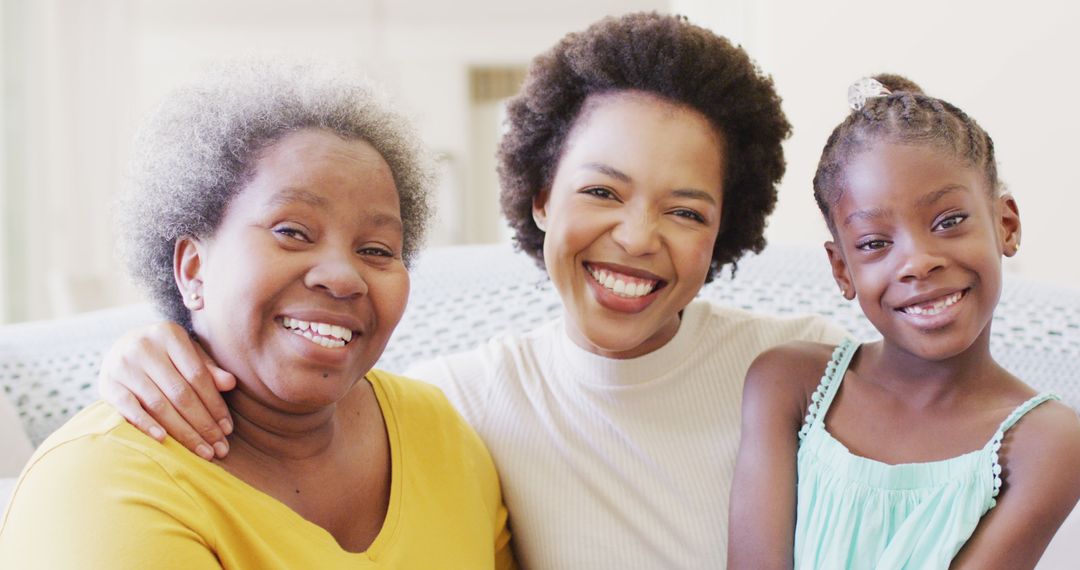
464	295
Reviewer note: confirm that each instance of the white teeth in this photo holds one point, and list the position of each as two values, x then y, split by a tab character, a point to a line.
323	334
341	332
936	308
623	286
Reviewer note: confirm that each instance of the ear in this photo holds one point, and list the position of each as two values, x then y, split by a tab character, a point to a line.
840	270
539	209
1008	215
187	271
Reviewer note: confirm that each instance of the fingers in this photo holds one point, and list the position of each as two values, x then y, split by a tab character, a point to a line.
174	398
224	380
130	407
157	378
197	396
144	404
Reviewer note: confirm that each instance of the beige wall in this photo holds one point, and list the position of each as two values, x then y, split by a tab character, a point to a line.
1010	65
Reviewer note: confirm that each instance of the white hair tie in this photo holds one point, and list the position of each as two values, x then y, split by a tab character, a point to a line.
864	89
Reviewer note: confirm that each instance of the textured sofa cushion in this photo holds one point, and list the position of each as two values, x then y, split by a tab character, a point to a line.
7	485
15	448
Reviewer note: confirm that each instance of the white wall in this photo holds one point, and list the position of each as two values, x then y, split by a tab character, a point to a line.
78	77
1011	66
4	207
89	71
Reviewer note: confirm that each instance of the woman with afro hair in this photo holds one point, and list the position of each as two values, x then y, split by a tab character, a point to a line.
642	156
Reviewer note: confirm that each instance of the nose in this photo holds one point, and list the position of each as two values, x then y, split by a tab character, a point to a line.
637	232
920	261
338	274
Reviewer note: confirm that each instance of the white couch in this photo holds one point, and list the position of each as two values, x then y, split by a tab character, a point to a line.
464	295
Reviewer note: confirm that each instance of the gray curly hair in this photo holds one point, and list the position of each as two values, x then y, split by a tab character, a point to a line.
199	150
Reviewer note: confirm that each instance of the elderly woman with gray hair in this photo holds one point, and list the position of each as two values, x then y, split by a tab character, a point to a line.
274	213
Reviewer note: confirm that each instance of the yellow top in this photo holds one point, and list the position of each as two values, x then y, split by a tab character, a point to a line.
100	494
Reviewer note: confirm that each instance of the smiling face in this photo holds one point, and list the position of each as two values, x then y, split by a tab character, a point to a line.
631	219
919	240
302	282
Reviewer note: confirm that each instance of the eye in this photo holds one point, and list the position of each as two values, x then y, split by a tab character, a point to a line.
872	245
951	222
377	251
600	192
294	232
689	214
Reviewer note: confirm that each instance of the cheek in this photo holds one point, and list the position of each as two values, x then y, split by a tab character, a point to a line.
392	297
695	254
568	234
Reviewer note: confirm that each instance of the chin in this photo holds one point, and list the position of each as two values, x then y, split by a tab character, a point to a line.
613	344
938	349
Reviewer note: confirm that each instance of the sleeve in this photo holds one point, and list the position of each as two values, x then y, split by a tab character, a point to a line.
93	503
464	378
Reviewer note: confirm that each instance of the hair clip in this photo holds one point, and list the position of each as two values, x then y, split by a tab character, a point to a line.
864	89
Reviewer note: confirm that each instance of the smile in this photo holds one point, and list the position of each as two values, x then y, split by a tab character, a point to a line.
322	334
623	285
934	306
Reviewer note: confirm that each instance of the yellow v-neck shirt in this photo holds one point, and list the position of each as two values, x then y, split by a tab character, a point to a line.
100	494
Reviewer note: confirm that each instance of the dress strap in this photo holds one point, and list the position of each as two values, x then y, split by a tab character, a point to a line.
823	396
1010	420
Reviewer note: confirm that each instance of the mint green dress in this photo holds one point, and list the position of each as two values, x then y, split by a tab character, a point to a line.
855	512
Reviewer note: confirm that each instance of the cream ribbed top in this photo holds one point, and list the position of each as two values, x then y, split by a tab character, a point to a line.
617	463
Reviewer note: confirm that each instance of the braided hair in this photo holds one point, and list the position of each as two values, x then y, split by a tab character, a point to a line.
907	116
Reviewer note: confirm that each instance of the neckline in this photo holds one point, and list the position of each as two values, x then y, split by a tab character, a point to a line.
595	371
833	452
388	530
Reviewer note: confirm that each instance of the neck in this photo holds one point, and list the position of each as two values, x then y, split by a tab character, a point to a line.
264	431
924	382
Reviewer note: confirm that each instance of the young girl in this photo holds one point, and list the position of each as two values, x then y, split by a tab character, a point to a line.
916	451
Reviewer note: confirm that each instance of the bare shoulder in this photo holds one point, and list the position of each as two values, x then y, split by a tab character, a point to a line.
787	374
1052	429
1040	460
793	362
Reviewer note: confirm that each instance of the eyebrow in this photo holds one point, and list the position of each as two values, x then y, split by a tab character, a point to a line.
868	214
610	171
691	193
928	200
936	195
385	220
288	195
694	195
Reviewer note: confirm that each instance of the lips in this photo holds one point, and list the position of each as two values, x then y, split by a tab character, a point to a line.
933	306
